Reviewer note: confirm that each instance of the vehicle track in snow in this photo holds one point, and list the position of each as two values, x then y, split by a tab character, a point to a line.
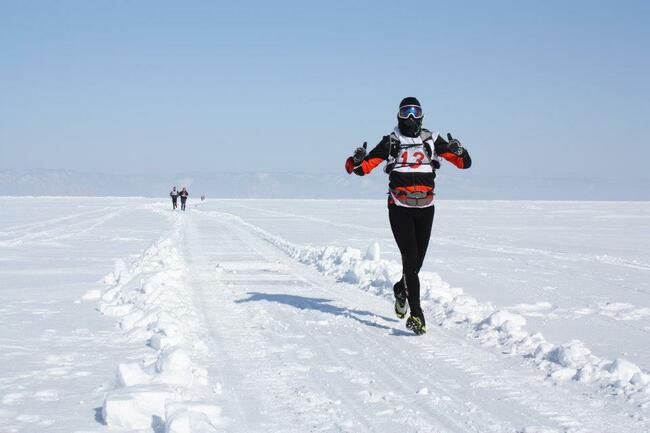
293	350
442	239
52	230
24	228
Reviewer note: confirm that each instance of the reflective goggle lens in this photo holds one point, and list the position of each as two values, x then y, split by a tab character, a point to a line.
410	110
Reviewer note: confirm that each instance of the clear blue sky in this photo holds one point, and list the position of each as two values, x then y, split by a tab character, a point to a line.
532	88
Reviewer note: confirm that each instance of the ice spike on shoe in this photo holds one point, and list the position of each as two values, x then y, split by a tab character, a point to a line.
416	325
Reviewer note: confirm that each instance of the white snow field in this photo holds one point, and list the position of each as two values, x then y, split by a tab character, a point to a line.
276	316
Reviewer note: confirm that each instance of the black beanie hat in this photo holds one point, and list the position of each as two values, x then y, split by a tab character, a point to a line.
409	100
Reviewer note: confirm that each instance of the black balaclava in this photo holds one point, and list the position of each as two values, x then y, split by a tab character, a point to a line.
409	127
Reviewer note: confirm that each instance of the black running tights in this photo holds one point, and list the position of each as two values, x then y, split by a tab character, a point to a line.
412	230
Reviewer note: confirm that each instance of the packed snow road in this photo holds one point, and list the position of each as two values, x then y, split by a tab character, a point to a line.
302	352
227	325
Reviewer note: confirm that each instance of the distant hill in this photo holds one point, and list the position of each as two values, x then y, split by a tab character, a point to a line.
451	184
227	185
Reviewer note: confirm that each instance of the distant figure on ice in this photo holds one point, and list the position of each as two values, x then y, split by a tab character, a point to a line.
174	195
183	194
412	156
202	197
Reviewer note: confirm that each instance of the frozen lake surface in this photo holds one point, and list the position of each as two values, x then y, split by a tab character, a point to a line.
276	315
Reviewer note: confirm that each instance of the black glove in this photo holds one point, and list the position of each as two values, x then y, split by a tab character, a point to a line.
360	153
454	145
435	164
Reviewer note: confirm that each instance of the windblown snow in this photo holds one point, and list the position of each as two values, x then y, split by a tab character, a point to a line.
276	316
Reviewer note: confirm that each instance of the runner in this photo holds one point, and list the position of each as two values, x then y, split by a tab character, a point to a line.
174	195
412	156
183	194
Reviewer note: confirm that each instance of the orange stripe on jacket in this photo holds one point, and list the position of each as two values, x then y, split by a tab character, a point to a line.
454	159
368	165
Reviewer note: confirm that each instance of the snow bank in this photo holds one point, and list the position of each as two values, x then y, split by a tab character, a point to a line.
154	307
134	407
195	417
451	307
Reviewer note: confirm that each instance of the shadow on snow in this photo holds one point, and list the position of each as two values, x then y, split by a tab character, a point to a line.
318	304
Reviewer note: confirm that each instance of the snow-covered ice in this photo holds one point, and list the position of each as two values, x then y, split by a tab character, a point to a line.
276	316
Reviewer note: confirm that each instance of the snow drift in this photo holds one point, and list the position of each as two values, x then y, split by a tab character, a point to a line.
154	307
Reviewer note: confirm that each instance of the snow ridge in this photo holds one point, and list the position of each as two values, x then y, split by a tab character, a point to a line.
154	306
451	307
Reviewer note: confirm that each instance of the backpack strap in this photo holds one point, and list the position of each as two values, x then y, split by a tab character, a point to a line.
426	135
393	145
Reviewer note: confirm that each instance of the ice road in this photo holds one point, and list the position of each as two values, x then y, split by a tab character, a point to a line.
276	316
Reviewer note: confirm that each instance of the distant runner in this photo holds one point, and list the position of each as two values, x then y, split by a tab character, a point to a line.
412	156
174	195
183	194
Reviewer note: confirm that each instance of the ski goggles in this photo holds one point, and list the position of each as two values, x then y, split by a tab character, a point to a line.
410	110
